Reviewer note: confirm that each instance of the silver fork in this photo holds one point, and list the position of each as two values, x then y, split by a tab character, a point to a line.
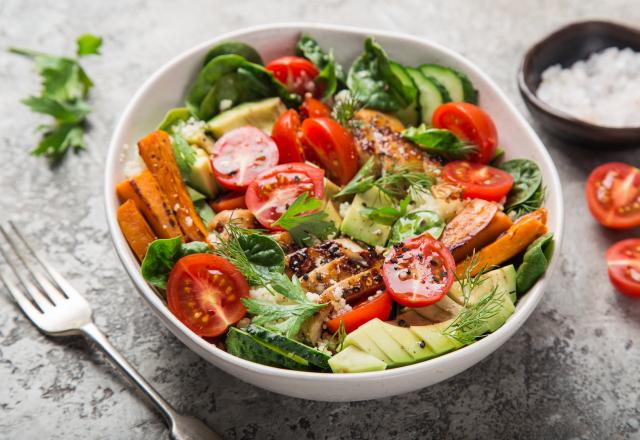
57	309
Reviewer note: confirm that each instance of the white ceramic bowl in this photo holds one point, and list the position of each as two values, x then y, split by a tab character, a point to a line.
165	89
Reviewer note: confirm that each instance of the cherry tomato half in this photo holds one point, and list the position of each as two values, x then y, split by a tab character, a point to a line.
332	146
240	155
296	73
623	262
479	181
204	293
613	195
233	200
378	307
314	108
469	122
286	134
273	191
419	271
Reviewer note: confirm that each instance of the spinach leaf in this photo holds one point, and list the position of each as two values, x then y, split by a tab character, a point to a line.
416	223
527	178
233	48
174	117
263	253
163	254
243	81
534	263
440	142
372	80
531	204
331	76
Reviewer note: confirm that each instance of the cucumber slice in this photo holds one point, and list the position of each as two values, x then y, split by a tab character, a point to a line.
242	344
311	355
408	115
457	83
431	93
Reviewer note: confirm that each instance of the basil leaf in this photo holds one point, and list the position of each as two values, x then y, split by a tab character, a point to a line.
416	223
373	82
163	254
534	263
439	141
527	178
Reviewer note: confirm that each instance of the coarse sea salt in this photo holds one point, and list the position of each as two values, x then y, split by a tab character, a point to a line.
602	89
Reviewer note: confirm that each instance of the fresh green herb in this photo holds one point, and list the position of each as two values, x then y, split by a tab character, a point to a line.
468	281
439	142
345	108
534	263
373	81
202	207
163	254
174	117
387	215
184	153
363	180
527	178
233	48
305	228
497	157
339	336
416	223
531	204
402	181
65	87
331	75
286	319
470	324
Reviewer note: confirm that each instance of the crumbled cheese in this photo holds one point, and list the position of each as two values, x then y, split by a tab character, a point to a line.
313	297
344	207
176	207
188	221
243	323
225	104
264	294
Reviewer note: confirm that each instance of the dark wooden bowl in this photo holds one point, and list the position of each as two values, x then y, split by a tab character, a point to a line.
565	46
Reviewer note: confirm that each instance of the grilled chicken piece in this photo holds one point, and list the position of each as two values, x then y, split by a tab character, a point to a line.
357	286
409	318
305	260
441	311
312	328
478	224
380	135
243	218
334	271
285	240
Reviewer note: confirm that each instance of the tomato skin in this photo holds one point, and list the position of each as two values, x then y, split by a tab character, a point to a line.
273	191
330	144
469	122
479	181
296	73
240	155
613	195
623	264
418	272
314	108
234	200
286	134
379	307
204	291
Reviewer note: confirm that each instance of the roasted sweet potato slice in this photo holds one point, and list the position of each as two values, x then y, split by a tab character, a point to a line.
520	235
144	191
357	286
135	228
539	214
157	153
478	224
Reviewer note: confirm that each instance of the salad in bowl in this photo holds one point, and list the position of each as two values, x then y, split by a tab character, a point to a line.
307	215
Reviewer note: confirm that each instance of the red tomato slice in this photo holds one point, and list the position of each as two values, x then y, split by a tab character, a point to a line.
314	108
379	307
204	293
613	195
273	191
332	146
471	123
296	73
419	271
479	181
623	262
234	200
240	155
286	134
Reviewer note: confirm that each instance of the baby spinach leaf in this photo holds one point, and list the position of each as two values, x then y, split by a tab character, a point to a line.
531	204
331	75
416	223
527	178
264	253
233	48
174	117
534	263
439	141
163	254
373	81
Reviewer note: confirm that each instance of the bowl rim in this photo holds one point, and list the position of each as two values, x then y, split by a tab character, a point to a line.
531	96
159	307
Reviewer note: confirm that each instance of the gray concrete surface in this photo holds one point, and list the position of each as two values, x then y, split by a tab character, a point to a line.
572	371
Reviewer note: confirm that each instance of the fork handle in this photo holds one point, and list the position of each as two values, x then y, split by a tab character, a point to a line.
91	331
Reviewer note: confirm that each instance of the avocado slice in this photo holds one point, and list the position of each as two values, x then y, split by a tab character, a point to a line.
413	345
260	114
359	227
434	338
353	360
361	340
443	310
386	343
201	177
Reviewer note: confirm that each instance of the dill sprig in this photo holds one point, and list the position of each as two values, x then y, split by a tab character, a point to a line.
468	281
339	336
230	248
403	181
345	108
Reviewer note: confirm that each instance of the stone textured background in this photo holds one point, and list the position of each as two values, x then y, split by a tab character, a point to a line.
571	372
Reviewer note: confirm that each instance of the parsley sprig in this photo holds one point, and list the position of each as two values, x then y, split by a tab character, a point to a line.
65	87
304	222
